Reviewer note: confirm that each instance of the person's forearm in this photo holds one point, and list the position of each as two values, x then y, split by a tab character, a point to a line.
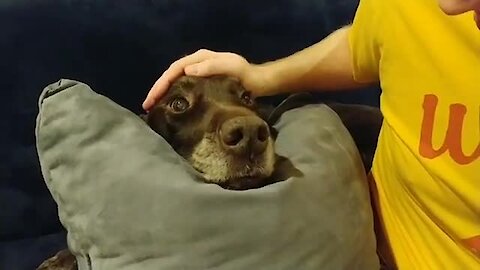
326	65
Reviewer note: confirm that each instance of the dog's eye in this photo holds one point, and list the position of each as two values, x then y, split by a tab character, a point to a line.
179	104
246	98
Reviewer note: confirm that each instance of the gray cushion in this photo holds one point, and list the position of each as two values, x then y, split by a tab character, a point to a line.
129	201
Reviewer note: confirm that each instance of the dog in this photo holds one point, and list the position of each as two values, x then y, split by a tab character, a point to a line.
220	129
216	125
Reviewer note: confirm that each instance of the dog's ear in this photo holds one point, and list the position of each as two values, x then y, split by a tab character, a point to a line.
291	102
157	121
272	114
264	110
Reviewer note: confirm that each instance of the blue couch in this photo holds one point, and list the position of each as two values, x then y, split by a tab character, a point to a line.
119	48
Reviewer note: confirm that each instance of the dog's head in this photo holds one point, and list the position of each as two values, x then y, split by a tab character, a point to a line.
215	124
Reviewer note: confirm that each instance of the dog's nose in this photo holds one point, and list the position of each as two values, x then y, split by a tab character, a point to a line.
244	135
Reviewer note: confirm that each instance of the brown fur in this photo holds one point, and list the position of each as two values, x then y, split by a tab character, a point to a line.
217	105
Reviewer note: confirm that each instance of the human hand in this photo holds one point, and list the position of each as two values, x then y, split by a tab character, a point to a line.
206	63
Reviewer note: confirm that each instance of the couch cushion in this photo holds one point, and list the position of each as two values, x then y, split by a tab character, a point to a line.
28	253
129	201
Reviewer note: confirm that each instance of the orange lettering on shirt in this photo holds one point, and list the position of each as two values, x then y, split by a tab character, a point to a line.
453	137
473	244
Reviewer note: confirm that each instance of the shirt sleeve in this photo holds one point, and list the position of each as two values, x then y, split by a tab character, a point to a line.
365	40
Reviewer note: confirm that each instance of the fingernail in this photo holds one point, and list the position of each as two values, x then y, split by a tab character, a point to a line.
145	104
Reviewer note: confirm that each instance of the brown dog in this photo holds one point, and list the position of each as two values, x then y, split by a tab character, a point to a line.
216	125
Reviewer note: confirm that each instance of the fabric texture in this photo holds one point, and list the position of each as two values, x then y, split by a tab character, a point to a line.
428	156
129	201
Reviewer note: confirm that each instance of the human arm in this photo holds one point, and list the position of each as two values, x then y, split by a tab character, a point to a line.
326	65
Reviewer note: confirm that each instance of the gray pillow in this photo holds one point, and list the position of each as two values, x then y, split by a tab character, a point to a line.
128	201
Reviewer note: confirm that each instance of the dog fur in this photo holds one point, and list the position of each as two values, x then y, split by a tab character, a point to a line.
196	133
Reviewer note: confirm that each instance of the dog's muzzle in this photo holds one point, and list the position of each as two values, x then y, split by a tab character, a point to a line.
244	136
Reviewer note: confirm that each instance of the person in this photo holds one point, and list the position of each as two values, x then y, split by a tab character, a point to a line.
426	171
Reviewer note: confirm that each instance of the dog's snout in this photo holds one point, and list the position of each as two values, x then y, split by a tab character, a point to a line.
245	135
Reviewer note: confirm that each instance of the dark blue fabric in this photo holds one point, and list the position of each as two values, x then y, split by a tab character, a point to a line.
119	48
28	252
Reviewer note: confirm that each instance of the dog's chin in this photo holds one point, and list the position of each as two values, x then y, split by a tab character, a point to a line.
244	183
229	171
242	175
247	174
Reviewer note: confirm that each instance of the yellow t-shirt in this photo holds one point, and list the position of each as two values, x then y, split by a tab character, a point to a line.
427	164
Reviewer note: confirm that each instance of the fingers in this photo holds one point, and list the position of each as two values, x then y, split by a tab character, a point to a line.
214	66
175	70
